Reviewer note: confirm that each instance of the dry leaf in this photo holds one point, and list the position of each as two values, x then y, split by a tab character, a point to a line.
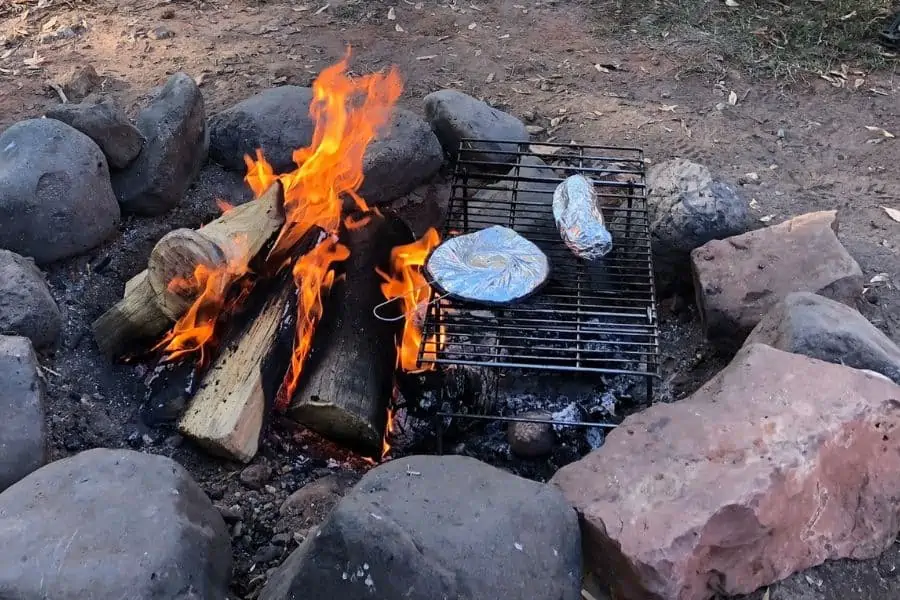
858	83
668	107
881	131
848	16
323	9
392	14
472	26
601	68
397	28
489	78
732	98
35	61
767	218
731	4
426	57
892	213
880	278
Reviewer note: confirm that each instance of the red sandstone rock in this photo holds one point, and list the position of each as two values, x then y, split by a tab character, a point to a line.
777	464
737	280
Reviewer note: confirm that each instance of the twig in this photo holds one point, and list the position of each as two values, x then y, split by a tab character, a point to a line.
59	90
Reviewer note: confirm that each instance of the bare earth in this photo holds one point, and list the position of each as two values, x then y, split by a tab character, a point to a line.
809	145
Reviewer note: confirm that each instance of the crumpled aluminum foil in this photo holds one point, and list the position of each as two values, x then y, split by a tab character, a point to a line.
494	266
579	219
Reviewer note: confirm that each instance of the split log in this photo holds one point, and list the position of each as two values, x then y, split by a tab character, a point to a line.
226	414
346	384
148	307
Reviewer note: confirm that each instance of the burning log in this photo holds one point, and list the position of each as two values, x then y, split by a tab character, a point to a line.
149	306
225	416
346	384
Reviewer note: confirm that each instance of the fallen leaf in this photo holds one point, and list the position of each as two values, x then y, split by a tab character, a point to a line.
397	28
472	26
892	213
858	83
767	218
505	36
881	131
323	9
601	68
732	98
426	57
35	61
392	14
848	16
668	107
489	78
880	278
731	4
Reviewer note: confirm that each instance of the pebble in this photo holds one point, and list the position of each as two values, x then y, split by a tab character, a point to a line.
160	32
231	514
267	554
256	476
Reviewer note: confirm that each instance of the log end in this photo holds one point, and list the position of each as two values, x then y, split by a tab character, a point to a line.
134	318
226	428
339	424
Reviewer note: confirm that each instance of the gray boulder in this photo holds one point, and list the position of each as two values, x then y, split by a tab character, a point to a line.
112	524
174	125
429	527
688	209
276	120
454	115
55	197
23	435
809	324
107	125
26	306
405	155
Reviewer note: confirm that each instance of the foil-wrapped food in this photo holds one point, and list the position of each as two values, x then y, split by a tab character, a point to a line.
491	266
579	219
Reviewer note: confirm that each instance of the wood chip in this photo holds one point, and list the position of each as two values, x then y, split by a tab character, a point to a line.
426	57
392	14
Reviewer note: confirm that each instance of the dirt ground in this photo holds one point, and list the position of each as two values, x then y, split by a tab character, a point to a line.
551	62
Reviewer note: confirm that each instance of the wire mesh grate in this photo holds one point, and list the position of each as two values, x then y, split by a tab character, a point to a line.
591	317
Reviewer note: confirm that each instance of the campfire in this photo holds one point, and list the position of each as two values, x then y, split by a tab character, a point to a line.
308	303
306	260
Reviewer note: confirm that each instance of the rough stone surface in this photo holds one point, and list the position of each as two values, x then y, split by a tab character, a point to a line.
55	196
174	125
276	120
430	527
256	475
403	156
112	524
810	324
688	209
531	440
739	279
78	82
23	443
454	115
779	463
107	125
26	306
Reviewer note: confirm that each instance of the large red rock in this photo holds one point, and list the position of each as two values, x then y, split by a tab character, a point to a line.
737	280
779	463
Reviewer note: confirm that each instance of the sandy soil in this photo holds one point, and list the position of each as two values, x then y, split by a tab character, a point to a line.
542	60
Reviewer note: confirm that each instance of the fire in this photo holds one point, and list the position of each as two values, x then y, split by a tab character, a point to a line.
407	283
348	113
195	330
388	430
313	274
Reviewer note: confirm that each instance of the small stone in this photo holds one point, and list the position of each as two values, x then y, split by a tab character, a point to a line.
55	197
271	489
531	440
534	129
314	497
26	306
779	463
107	125
168	13
231	514
23	434
282	539
749	178
78	82
738	280
160	32
177	141
454	115
817	327
267	554
256	475
112	524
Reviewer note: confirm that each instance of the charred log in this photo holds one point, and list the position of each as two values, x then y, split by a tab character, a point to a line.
346	384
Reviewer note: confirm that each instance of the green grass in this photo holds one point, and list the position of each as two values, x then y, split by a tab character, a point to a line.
766	37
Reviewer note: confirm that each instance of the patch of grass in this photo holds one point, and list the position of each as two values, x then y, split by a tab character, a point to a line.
767	37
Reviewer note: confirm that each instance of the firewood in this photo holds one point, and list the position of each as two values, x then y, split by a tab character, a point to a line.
148	308
225	416
346	384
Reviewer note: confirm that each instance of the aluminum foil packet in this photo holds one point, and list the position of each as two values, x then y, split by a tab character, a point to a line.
579	219
492	266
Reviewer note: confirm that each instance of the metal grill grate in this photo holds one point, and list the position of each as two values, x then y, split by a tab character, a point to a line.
591	317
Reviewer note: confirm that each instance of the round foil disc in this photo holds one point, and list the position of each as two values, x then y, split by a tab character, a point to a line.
494	266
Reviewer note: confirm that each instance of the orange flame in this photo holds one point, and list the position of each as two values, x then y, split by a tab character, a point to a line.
388	430
407	283
313	274
224	205
195	330
348	114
